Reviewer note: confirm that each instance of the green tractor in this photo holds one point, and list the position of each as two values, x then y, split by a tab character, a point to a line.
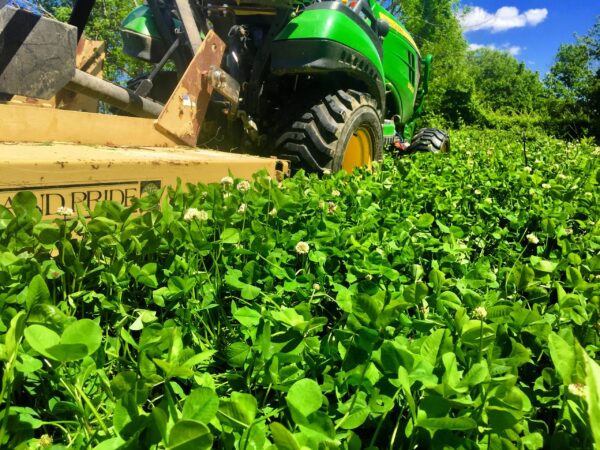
326	84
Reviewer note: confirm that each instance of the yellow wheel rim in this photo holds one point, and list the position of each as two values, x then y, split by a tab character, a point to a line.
359	151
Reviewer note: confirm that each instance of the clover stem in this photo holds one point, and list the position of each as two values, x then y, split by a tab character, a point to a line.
480	339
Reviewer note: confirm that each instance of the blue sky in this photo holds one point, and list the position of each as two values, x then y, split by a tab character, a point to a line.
533	31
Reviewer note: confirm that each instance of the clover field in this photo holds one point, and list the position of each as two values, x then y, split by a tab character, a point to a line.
444	301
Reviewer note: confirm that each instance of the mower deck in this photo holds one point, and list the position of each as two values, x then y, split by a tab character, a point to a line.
34	123
68	174
108	158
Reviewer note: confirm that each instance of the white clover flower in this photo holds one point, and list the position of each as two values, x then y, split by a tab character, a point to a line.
596	152
326	172
562	176
477	192
273	212
588	194
369	277
243	186
527	169
227	181
204	195
64	211
568	231
316	287
242	209
488	200
190	214
546	186
302	248
331	207
532	238
577	389
335	193
195	214
463	259
480	313
45	441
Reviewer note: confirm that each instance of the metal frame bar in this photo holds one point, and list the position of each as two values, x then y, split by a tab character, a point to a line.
186	14
183	54
82	9
58	125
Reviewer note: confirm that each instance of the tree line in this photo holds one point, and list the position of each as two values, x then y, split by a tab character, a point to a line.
490	88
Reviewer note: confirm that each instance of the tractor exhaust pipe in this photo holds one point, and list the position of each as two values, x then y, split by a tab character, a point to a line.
124	99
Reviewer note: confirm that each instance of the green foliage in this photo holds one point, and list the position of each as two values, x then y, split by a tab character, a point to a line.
446	301
504	84
490	88
570	75
574	82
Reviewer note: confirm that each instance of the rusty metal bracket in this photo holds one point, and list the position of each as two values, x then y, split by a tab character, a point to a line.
225	85
184	113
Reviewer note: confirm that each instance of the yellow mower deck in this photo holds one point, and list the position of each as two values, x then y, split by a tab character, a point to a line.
108	158
66	175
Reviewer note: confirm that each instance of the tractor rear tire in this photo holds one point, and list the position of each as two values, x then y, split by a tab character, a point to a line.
430	140
337	131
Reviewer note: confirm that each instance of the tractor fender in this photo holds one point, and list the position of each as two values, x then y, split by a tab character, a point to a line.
328	37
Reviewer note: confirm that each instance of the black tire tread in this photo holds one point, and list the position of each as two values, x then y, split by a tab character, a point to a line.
311	140
430	140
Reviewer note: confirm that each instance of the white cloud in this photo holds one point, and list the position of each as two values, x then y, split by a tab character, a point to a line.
513	50
505	18
475	47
